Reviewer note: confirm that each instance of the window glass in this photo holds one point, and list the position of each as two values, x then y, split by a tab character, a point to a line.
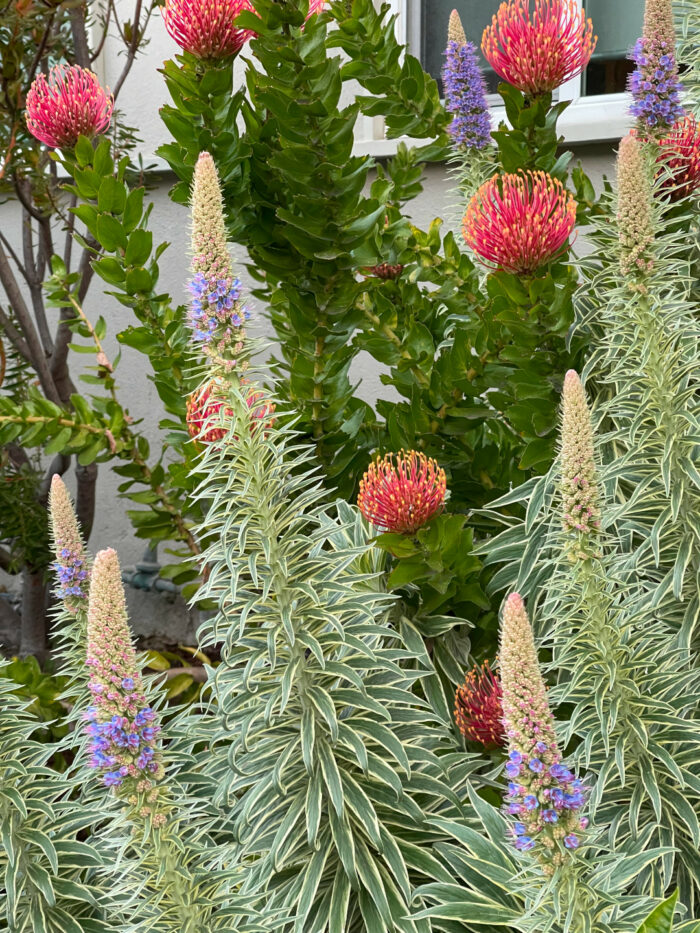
617	23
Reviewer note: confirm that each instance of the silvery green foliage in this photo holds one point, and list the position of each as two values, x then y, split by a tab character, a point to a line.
687	17
329	762
47	874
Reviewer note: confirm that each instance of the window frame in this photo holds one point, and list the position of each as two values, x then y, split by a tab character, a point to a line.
588	119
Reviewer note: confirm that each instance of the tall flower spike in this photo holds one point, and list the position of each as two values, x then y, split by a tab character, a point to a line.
401	492
217	315
634	208
478	707
519	222
539	52
680	153
465	91
579	480
544	797
654	83
207	28
121	725
69	104
71	564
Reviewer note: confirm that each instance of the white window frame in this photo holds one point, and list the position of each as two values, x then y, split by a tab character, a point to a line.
588	119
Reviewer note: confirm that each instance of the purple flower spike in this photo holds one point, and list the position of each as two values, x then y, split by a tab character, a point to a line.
465	91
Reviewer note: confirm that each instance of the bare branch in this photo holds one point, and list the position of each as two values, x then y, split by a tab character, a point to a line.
133	45
59	465
34	280
85	498
80	42
16	339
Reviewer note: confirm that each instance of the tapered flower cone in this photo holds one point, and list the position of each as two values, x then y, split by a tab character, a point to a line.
210	253
544	797
654	84
455	30
658	22
71	564
579	480
465	90
634	208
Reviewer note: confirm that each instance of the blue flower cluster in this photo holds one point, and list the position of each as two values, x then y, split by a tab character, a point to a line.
465	96
123	747
71	572
214	304
654	84
545	796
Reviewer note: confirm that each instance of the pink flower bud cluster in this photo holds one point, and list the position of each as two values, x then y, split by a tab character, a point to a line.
71	564
544	797
122	727
217	315
579	482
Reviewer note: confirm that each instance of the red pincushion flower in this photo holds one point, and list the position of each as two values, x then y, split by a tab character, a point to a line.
680	151
207	28
401	492
540	52
478	707
69	104
206	402
519	222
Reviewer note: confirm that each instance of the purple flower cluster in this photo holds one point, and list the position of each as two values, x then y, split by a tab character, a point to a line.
122	747
465	96
654	84
217	317
546	798
72	573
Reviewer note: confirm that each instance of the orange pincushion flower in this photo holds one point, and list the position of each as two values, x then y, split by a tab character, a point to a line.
401	492
539	52
207	28
680	151
206	403
519	222
69	104
478	707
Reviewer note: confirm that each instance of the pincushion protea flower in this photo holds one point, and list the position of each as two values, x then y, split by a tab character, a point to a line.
205	404
519	222
680	153
539	52
543	795
478	707
122	727
401	492
207	28
69	104
71	565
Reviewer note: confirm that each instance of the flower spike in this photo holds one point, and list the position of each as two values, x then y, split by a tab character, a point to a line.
478	707
71	563
634	207
654	84
70	104
465	90
537	52
580	494
519	222
544	797
401	492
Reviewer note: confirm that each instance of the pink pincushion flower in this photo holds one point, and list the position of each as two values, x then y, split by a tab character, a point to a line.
519	222
401	492
539	52
205	403
69	104
479	708
680	151
207	28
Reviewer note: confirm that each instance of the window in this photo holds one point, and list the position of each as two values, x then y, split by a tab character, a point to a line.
599	102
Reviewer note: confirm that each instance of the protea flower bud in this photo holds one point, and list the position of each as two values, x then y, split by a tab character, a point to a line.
401	492
71	564
217	315
207	409
544	797
634	207
207	28
579	480
122	727
478	707
654	83
386	270
680	153
539	52
465	91
519	222
69	104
